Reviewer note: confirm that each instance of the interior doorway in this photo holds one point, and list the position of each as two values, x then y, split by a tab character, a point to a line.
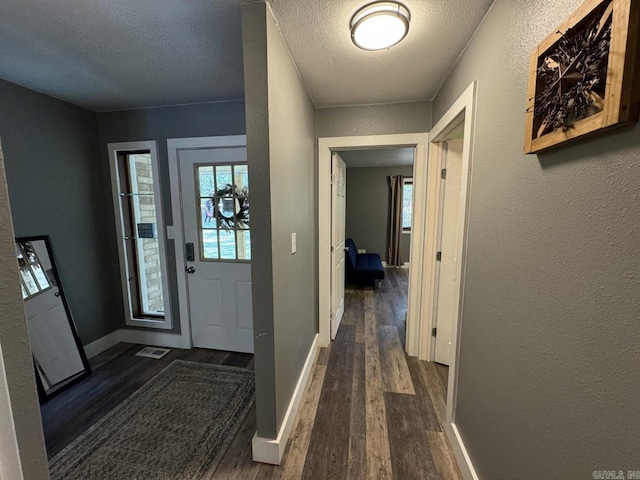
447	268
338	223
451	145
378	219
344	145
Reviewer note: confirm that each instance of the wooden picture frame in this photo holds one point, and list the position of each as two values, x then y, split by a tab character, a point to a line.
558	86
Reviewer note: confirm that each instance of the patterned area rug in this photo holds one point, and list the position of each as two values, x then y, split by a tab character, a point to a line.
175	427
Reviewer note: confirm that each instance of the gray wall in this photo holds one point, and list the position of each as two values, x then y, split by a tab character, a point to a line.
281	148
159	124
411	117
57	188
549	355
16	365
368	208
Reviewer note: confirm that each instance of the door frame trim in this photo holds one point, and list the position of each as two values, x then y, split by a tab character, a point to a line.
173	145
464	108
122	147
334	321
420	141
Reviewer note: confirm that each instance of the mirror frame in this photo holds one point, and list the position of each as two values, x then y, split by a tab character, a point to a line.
42	393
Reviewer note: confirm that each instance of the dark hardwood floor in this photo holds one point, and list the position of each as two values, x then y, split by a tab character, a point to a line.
369	411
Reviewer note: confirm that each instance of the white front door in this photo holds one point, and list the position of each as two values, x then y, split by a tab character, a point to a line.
447	281
214	194
338	213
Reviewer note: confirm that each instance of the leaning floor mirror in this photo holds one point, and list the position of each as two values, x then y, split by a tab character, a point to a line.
58	355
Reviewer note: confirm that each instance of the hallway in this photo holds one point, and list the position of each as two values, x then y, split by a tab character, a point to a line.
369	412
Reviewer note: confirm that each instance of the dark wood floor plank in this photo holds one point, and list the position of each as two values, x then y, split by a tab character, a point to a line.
395	373
443	372
384	307
378	451
235	359
323	355
436	390
410	454
424	403
237	463
108	355
444	460
268	472
352	308
328	451
391	305
301	433
203	355
358	421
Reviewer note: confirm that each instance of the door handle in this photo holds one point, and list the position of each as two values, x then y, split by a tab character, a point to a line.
190	269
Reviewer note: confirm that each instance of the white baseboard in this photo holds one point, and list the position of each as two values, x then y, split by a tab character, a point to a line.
102	344
157	339
270	450
460	452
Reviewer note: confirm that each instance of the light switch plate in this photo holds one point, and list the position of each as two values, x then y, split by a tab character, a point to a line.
293	243
170	235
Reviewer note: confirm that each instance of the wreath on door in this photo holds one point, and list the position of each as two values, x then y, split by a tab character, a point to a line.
231	207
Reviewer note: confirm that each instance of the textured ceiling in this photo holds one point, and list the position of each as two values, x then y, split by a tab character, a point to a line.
382	157
121	54
109	55
338	73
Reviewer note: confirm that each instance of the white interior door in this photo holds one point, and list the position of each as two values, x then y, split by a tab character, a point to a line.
338	213
214	185
52	343
447	281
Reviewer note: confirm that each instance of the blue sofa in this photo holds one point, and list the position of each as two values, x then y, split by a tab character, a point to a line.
363	267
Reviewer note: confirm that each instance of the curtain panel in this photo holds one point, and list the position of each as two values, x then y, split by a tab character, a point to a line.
394	233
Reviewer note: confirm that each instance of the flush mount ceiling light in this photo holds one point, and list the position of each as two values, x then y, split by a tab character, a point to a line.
380	25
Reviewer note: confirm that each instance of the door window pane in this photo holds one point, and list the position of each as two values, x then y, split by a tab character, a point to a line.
29	281
407	205
33	278
241	176
40	276
224	212
244	244
210	244
223	176
227	245
207	213
205	177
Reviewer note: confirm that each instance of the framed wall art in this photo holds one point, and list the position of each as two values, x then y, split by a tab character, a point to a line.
584	77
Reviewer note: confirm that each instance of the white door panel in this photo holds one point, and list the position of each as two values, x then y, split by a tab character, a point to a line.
447	282
219	291
54	349
338	220
244	308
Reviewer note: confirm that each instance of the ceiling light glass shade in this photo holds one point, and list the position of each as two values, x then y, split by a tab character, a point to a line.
380	25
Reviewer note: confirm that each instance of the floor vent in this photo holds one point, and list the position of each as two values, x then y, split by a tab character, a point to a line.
153	352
